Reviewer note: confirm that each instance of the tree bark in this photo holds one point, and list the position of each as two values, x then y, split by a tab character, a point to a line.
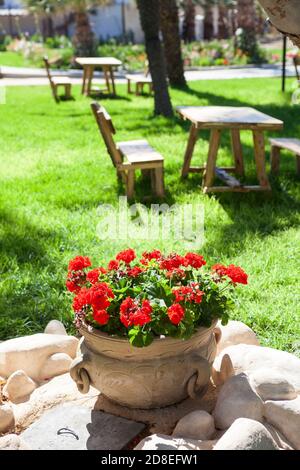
246	15
208	23
189	34
223	22
170	30
149	15
83	39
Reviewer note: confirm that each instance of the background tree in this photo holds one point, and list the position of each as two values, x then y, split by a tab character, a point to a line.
149	15
169	20
188	32
44	9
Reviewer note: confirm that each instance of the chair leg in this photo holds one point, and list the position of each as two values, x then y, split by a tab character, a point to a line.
54	93
130	184
159	182
129	91
275	160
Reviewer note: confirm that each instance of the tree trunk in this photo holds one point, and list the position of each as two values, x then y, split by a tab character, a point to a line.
208	23
149	15
285	16
223	22
170	30
83	39
189	34
246	15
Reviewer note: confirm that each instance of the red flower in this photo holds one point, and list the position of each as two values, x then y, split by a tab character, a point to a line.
194	260
156	254
134	272
235	273
173	261
190	293
99	295
81	300
176	273
75	280
101	317
176	313
127	256
113	265
131	314
93	276
79	263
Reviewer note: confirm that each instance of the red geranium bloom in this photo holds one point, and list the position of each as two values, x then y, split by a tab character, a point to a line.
81	300
75	280
176	313
237	274
220	269
113	265
191	293
101	317
173	261
127	256
93	276
131	314
176	273
156	254
194	260
134	272
99	295
79	263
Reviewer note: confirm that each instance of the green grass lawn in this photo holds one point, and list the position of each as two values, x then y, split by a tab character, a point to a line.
55	173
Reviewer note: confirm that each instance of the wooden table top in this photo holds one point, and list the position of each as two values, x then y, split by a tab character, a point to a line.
98	61
226	117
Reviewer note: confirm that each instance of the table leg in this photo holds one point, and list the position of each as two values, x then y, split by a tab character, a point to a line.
112	77
260	159
189	150
209	172
237	151
106	75
84	80
90	79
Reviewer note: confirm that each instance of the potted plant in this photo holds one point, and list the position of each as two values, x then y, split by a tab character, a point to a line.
149	326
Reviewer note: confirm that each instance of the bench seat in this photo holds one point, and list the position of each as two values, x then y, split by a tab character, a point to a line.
139	152
288	144
61	80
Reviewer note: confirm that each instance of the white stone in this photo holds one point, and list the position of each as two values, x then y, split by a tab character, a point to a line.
57	364
236	332
285	416
163	442
55	327
247	358
197	425
278	437
18	387
271	385
237	399
61	389
7	420
30	353
13	442
246	434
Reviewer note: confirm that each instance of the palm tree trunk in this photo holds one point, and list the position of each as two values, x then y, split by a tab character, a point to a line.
170	30
223	22
285	16
208	23
83	39
149	15
189	21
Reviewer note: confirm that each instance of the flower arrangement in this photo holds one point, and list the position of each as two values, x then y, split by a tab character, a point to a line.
157	295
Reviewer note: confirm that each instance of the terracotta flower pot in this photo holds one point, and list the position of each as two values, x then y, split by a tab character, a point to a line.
162	374
285	16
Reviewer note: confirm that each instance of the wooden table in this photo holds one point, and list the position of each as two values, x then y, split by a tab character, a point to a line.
218	118
107	64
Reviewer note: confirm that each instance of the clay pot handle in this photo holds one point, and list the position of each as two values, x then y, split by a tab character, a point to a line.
218	334
80	375
198	383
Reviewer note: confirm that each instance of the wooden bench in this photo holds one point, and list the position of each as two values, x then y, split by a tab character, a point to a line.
293	145
127	157
140	82
56	82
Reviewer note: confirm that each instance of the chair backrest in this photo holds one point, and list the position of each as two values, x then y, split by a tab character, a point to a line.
107	130
297	64
47	67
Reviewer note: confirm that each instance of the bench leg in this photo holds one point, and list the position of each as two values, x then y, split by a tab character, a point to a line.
209	172
129	91
68	91
130	184
275	160
237	151
189	151
260	159
159	182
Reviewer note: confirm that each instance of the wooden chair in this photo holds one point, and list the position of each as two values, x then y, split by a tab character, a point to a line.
56	82
127	157
293	145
